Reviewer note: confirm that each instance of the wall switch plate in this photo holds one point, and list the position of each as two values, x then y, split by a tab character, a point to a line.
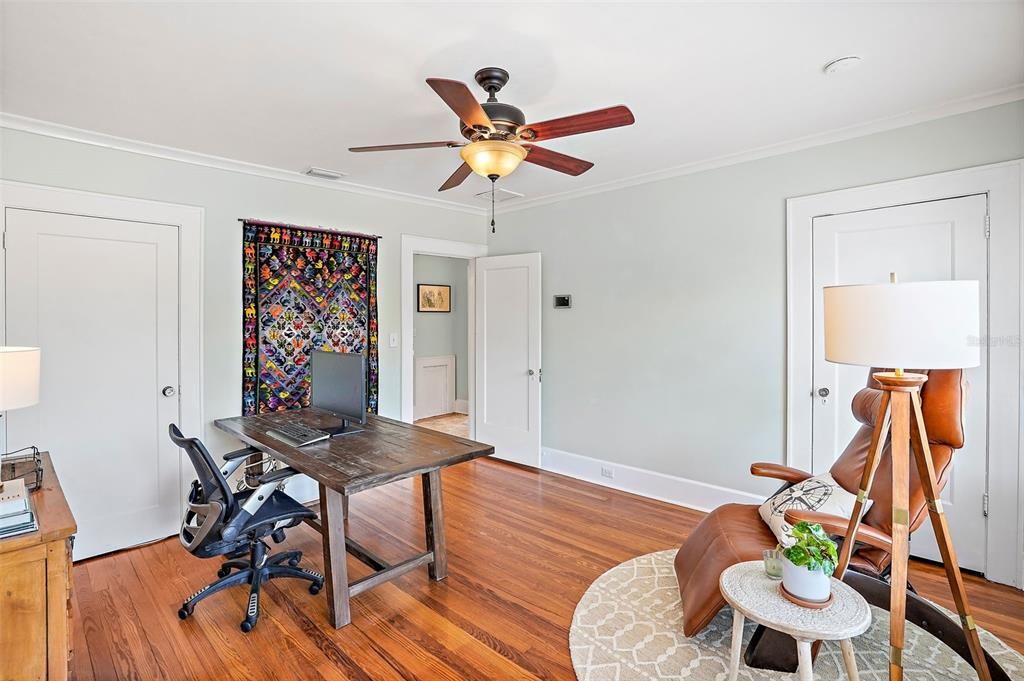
393	340
607	473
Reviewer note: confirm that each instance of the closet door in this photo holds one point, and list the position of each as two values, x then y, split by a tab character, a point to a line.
929	241
100	298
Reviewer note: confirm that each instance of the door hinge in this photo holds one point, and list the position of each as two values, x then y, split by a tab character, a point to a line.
984	504
540	375
988	226
4	246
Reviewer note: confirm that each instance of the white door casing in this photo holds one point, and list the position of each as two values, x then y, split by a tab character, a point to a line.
508	356
435	386
100	298
1003	184
928	241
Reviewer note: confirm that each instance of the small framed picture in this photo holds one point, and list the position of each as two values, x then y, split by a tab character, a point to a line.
433	298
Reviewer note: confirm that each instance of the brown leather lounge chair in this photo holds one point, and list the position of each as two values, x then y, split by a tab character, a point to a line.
734	533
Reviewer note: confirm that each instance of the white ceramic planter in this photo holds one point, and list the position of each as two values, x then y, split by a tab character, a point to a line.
810	585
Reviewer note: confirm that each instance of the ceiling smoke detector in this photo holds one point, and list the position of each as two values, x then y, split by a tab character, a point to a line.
324	173
841	65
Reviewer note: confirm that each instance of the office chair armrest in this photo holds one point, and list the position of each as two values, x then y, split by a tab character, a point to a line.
239	453
234	460
277	476
778	472
837	525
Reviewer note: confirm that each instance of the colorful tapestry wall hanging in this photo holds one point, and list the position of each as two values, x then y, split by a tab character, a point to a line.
303	289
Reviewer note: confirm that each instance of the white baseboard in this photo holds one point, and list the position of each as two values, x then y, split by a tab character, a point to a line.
461	406
701	496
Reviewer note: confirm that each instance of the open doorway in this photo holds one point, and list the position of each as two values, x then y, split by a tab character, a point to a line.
441	344
460	257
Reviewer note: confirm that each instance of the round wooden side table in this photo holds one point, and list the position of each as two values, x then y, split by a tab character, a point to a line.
753	595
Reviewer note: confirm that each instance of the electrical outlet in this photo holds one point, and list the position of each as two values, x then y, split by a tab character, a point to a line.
393	340
607	473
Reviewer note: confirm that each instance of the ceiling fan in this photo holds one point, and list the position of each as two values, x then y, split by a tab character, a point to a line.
499	138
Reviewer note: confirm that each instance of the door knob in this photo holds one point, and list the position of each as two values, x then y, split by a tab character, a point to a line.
168	391
529	372
823	392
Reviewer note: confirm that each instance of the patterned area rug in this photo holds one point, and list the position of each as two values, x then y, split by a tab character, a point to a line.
628	625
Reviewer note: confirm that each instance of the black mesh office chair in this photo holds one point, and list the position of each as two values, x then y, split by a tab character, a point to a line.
221	523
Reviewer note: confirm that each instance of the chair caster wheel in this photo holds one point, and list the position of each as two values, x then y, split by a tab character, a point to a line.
246	626
294	562
184	612
224	571
315	588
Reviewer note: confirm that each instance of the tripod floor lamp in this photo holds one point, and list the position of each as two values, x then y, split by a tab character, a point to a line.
932	325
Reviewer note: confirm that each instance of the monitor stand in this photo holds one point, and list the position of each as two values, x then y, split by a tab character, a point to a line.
345	428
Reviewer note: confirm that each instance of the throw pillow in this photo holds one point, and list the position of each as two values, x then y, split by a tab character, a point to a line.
820	493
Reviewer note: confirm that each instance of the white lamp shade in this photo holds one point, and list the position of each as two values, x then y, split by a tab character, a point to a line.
19	377
917	325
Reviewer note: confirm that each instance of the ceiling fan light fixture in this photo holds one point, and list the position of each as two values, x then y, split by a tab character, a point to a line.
494	158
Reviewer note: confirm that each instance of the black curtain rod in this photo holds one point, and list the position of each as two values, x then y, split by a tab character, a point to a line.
270	223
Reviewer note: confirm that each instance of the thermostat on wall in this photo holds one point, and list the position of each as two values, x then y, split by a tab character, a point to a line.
563	300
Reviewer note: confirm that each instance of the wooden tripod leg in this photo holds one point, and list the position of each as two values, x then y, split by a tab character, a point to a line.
926	472
900	451
878	437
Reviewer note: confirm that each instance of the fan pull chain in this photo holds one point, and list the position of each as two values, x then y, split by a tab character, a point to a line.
492	205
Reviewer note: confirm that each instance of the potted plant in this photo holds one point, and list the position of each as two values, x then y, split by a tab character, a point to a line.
809	563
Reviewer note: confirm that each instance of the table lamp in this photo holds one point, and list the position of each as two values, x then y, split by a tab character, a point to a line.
929	324
19	379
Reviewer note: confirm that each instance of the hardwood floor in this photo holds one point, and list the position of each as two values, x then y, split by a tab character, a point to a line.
523	546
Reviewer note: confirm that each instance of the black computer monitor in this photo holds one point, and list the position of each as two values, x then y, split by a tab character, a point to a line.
339	385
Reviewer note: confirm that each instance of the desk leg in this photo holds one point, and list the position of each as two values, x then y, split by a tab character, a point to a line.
332	529
344	506
433	518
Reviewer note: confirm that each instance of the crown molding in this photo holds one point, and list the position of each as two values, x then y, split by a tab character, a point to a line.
99	139
960	106
953	108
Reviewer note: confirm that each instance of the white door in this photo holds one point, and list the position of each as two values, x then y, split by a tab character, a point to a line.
508	371
100	298
931	241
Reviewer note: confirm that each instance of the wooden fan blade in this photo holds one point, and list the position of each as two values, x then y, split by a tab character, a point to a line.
410	145
461	100
602	119
457	178
563	163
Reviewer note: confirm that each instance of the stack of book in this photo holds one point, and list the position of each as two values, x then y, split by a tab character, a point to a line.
16	516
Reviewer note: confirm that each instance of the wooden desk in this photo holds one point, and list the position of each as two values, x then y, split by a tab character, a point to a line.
35	589
379	452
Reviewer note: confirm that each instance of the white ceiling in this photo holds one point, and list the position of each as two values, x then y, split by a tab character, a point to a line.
289	85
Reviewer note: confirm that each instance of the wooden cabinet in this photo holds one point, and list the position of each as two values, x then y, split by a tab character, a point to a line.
35	590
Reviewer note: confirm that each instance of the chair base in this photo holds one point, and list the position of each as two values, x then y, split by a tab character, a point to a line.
258	569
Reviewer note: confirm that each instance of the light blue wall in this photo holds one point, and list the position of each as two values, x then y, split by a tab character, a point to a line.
438	333
673	355
226	196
